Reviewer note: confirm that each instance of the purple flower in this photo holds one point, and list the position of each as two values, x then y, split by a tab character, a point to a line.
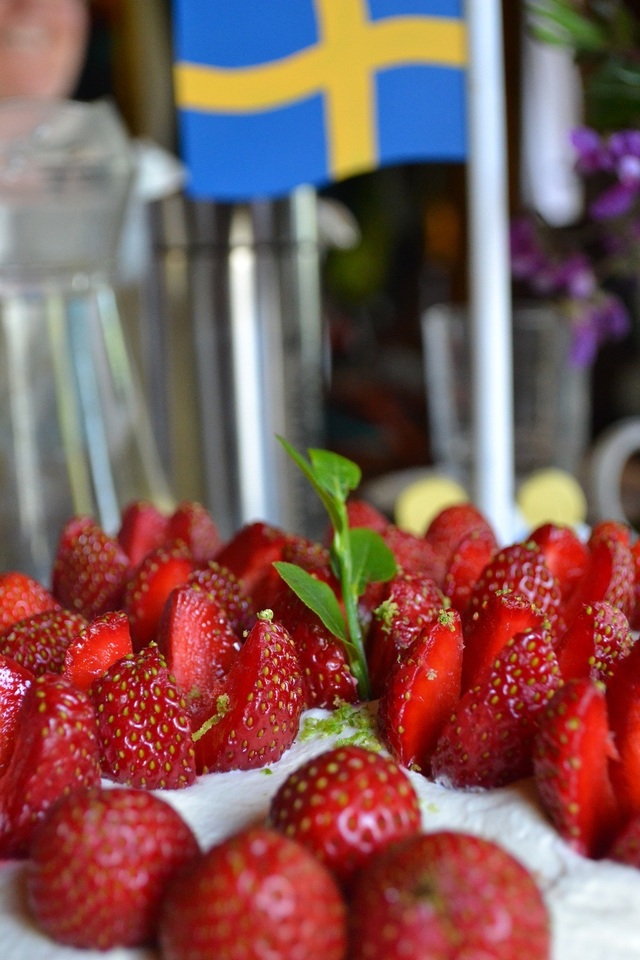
592	153
593	323
576	275
527	257
615	201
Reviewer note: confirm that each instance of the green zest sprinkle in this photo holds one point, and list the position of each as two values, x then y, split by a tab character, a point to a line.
349	725
359	557
222	707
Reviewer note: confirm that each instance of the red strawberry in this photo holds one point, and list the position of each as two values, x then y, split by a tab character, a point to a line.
55	751
447	895
609	576
411	603
142	528
634	615
572	753
625	847
422	691
595	639
256	894
21	596
610	530
193	523
361	513
99	864
412	554
222	585
250	554
565	554
196	638
499	619
148	589
102	642
519	568
450	527
344	805
144	731
89	569
488	740
40	642
259	712
467	562
623	703
15	680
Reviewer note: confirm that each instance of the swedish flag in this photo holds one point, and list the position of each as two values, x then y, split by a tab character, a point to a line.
275	93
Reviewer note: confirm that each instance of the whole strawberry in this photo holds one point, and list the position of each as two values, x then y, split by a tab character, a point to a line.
445	895
21	596
89	569
344	805
40	642
143	727
99	863
256	895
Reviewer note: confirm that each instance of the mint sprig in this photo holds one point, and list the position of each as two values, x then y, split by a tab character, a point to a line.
358	557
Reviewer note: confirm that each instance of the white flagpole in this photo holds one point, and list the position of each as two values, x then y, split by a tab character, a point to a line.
489	270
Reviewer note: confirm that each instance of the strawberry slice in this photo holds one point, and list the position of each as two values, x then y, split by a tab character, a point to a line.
450	527
21	596
634	615
488	740
193	523
89	569
259	712
519	568
572	755
595	639
609	576
625	846
468	560
500	618
102	642
128	843
412	602
422	691
143	527
565	554
361	513
143	727
412	554
40	642
197	639
345	805
221	585
56	749
149	586
250	554
15	680
623	703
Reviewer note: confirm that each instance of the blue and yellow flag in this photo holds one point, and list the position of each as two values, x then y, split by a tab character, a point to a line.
275	93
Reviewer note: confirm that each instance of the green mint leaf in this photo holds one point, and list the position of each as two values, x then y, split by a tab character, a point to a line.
337	475
316	594
372	560
331	505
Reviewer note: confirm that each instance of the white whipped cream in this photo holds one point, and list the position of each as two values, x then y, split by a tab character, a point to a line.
595	906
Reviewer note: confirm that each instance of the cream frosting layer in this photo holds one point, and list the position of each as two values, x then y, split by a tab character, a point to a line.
595	906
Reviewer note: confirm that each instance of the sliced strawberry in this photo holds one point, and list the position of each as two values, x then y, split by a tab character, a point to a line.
192	522
143	727
345	805
422	691
15	680
595	639
623	703
21	596
634	615
259	714
501	617
519	568
565	554
610	530
40	642
56	750
323	662
572	753
361	513
221	585
102	642
412	602
450	527
143	527
250	554
412	554
197	639
625	846
488	740
99	864
312	557
89	569
468	560
149	586
609	576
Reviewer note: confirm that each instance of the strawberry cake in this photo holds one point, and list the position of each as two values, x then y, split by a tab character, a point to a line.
504	680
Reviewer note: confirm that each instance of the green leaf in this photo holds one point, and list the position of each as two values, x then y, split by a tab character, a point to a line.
568	25
372	560
327	498
335	473
316	594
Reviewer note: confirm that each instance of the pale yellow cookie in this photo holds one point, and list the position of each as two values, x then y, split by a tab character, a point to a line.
552	495
420	501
